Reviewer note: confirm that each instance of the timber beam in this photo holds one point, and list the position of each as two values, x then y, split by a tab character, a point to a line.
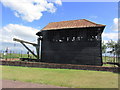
28	49
34	44
22	41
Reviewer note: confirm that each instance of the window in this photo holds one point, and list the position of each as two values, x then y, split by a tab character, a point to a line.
60	41
68	38
73	38
78	38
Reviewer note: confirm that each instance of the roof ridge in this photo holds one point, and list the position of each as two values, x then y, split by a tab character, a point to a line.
68	20
90	21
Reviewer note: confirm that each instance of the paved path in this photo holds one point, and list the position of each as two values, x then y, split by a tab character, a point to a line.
18	84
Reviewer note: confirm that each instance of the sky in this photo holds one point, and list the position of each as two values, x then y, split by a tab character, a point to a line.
24	18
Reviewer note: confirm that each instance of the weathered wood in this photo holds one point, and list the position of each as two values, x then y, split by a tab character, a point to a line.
28	49
35	45
38	49
72	46
18	40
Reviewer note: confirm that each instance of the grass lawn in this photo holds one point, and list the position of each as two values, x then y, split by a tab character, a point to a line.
62	77
109	59
14	55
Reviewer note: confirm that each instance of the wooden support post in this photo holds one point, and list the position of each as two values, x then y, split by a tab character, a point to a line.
100	40
38	48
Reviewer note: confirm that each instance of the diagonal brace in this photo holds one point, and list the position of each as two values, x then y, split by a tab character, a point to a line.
28	49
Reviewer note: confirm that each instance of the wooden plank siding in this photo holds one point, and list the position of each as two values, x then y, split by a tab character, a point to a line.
84	51
72	42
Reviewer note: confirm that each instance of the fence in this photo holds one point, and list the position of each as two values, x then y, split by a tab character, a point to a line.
11	55
112	59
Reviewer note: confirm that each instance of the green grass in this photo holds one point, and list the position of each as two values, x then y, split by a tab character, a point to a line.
109	65
14	55
109	59
62	77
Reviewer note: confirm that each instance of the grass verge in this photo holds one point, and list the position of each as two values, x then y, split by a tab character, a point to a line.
62	77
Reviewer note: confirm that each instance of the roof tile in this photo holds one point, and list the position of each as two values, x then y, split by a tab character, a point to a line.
82	23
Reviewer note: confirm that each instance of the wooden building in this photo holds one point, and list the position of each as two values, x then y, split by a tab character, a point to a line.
72	42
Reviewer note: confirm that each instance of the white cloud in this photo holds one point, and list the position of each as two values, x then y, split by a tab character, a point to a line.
115	24
113	36
16	14
58	2
105	41
30	10
11	31
115	20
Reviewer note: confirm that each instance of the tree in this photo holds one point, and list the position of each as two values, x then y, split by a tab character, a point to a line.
112	45
117	49
104	49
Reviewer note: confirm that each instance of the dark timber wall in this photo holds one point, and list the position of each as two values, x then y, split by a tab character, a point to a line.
72	46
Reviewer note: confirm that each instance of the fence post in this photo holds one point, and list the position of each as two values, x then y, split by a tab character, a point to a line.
21	54
10	56
28	54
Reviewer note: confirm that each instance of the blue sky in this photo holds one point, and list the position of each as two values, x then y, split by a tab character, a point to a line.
99	12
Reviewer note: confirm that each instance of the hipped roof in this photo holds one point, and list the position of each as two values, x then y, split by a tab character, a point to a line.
82	23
